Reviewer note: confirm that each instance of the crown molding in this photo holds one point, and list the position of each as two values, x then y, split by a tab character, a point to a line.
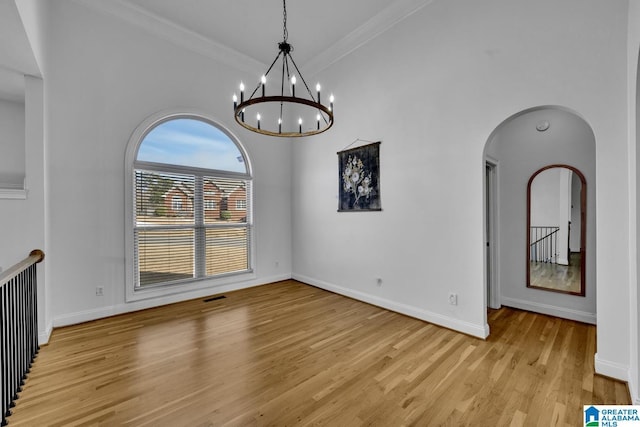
380	23
174	33
188	39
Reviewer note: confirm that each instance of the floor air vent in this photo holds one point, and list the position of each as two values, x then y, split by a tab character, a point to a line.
214	298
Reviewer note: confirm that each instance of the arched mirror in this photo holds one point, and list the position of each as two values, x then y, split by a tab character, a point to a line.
556	230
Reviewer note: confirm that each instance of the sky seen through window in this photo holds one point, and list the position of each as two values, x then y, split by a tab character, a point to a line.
191	142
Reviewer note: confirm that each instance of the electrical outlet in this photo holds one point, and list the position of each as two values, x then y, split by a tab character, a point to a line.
379	281
453	298
277	264
99	291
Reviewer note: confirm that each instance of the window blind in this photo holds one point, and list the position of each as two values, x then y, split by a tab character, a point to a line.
189	227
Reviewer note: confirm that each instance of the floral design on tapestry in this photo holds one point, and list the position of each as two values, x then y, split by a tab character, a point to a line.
358	174
355	179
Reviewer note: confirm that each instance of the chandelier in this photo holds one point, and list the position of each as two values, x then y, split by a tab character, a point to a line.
275	114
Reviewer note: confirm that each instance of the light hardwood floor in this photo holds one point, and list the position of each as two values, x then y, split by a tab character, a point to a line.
556	276
290	354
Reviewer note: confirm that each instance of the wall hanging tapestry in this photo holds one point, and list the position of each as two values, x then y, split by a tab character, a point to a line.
359	179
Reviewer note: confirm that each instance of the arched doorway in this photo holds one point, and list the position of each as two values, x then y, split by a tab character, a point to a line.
521	145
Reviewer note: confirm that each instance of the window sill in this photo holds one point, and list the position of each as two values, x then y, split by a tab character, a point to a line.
199	285
13	193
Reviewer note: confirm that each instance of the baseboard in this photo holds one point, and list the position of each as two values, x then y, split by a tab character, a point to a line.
43	336
113	310
480	331
552	310
613	370
633	390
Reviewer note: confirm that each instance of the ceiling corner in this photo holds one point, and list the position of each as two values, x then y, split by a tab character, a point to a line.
379	24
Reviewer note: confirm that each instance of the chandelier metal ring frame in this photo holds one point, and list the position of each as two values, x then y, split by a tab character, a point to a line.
324	114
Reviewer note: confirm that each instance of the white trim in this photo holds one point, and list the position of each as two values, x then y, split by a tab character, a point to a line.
43	336
551	310
102	312
633	389
132	294
15	194
495	292
175	113
633	68
480	331
611	369
174	33
204	285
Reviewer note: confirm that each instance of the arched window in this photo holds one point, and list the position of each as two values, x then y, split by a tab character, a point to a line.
185	169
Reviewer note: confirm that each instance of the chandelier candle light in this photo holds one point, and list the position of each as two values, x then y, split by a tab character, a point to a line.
274	108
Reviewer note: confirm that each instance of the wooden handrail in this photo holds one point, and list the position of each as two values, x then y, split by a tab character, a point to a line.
35	256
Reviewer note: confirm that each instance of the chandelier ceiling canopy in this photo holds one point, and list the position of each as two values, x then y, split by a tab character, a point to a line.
274	108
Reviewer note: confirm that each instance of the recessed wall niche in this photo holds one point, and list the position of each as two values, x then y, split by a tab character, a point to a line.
12	144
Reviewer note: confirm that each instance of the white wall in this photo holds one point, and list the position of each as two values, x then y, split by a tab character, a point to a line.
633	110
550	206
521	151
107	76
433	88
12	157
34	216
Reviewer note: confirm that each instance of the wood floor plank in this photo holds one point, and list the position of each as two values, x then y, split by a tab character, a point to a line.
291	354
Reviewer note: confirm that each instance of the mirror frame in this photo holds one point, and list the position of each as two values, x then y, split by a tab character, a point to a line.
583	230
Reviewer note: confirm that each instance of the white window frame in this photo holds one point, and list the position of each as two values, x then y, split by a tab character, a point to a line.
176	203
241	205
209	204
204	285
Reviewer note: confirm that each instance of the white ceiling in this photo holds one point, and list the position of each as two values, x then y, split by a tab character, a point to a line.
254	27
249	30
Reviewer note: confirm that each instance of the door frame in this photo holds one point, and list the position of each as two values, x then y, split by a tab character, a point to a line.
492	233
